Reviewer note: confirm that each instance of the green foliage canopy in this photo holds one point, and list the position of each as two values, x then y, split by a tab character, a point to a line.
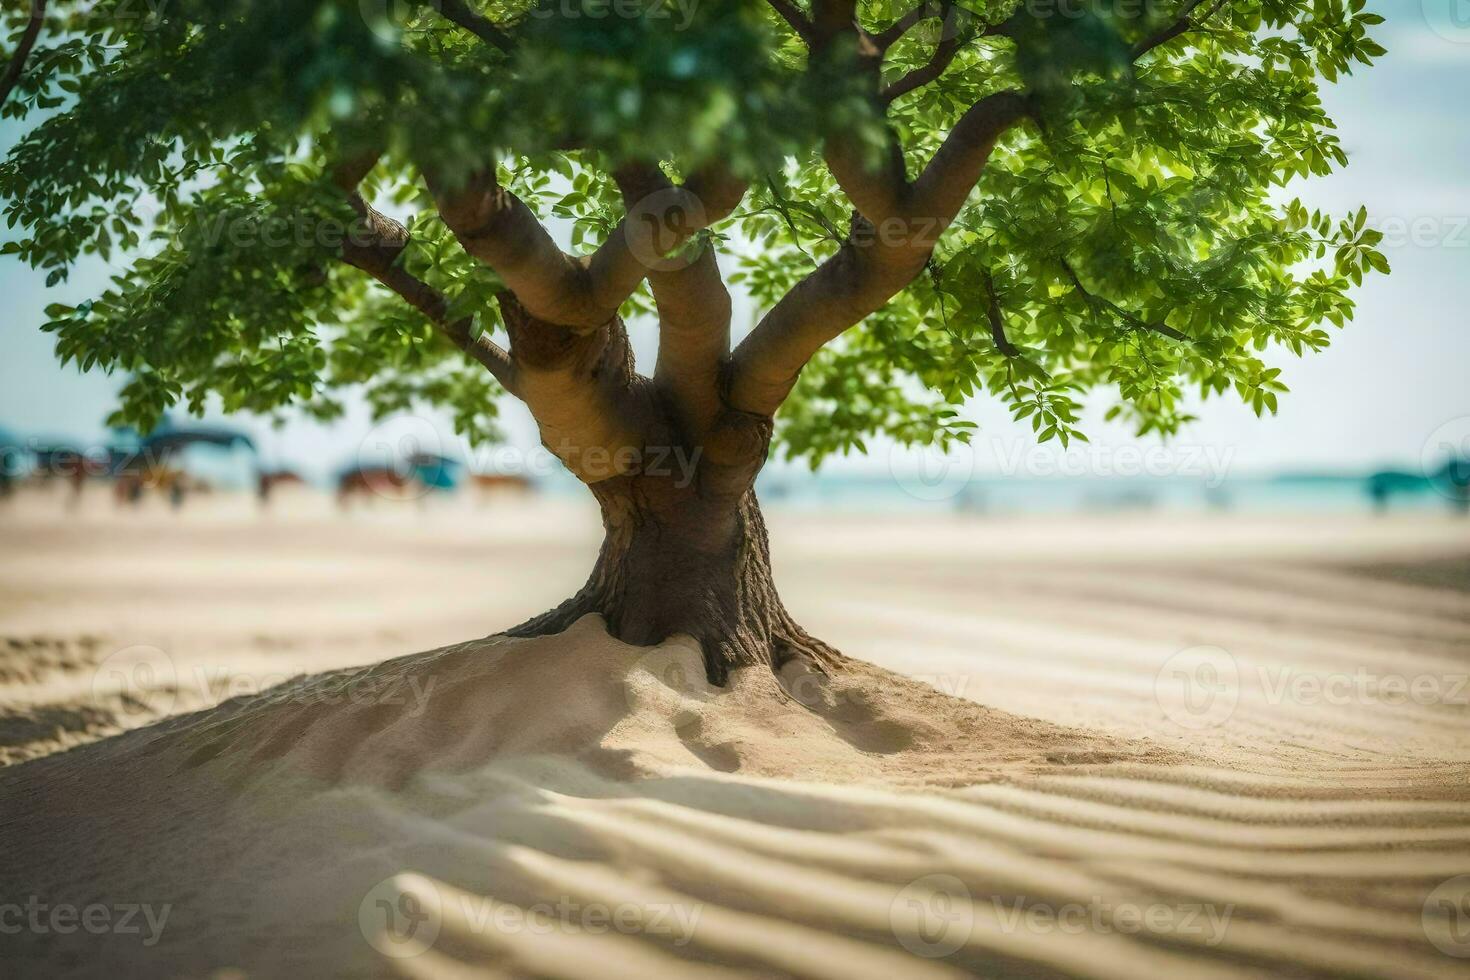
1131	235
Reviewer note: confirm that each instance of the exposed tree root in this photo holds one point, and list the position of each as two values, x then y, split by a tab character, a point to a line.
671	563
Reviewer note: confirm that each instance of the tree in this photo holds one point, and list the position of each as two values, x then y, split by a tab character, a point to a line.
929	201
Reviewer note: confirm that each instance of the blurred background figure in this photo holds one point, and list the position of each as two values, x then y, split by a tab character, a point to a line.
1451	482
13	462
269	481
177	460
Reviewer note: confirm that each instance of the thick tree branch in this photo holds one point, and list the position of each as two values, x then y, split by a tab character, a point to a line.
496	227
375	246
582	293
693	304
591	408
863	275
873	179
880	258
894	229
17	64
660	219
832	17
694	311
955	168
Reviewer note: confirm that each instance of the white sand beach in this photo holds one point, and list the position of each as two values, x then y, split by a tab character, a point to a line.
1117	745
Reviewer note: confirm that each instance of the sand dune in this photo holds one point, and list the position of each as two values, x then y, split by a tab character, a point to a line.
1186	759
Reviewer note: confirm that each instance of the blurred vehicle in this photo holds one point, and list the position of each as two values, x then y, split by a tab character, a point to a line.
370	482
490	485
436	472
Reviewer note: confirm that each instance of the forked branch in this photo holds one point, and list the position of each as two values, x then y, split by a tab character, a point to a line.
591	408
693	308
880	258
862	276
376	246
580	293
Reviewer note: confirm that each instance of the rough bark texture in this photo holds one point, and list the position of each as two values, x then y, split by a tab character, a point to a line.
681	557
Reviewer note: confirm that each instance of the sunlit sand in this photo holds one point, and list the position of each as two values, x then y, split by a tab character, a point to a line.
1019	785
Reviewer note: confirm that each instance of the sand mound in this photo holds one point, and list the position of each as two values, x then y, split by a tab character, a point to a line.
495	777
572	807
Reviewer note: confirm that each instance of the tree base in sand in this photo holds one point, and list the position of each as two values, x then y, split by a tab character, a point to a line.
305	831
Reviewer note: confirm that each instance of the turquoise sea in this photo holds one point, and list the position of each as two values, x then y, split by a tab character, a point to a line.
1335	493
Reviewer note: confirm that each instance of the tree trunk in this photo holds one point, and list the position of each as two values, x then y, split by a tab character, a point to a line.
676	560
673	466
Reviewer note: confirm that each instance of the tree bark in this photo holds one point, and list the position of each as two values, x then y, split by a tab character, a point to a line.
682	557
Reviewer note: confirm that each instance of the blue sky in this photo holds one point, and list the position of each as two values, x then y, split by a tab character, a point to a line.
1398	374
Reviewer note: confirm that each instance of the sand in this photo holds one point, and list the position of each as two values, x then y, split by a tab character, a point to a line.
1105	746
